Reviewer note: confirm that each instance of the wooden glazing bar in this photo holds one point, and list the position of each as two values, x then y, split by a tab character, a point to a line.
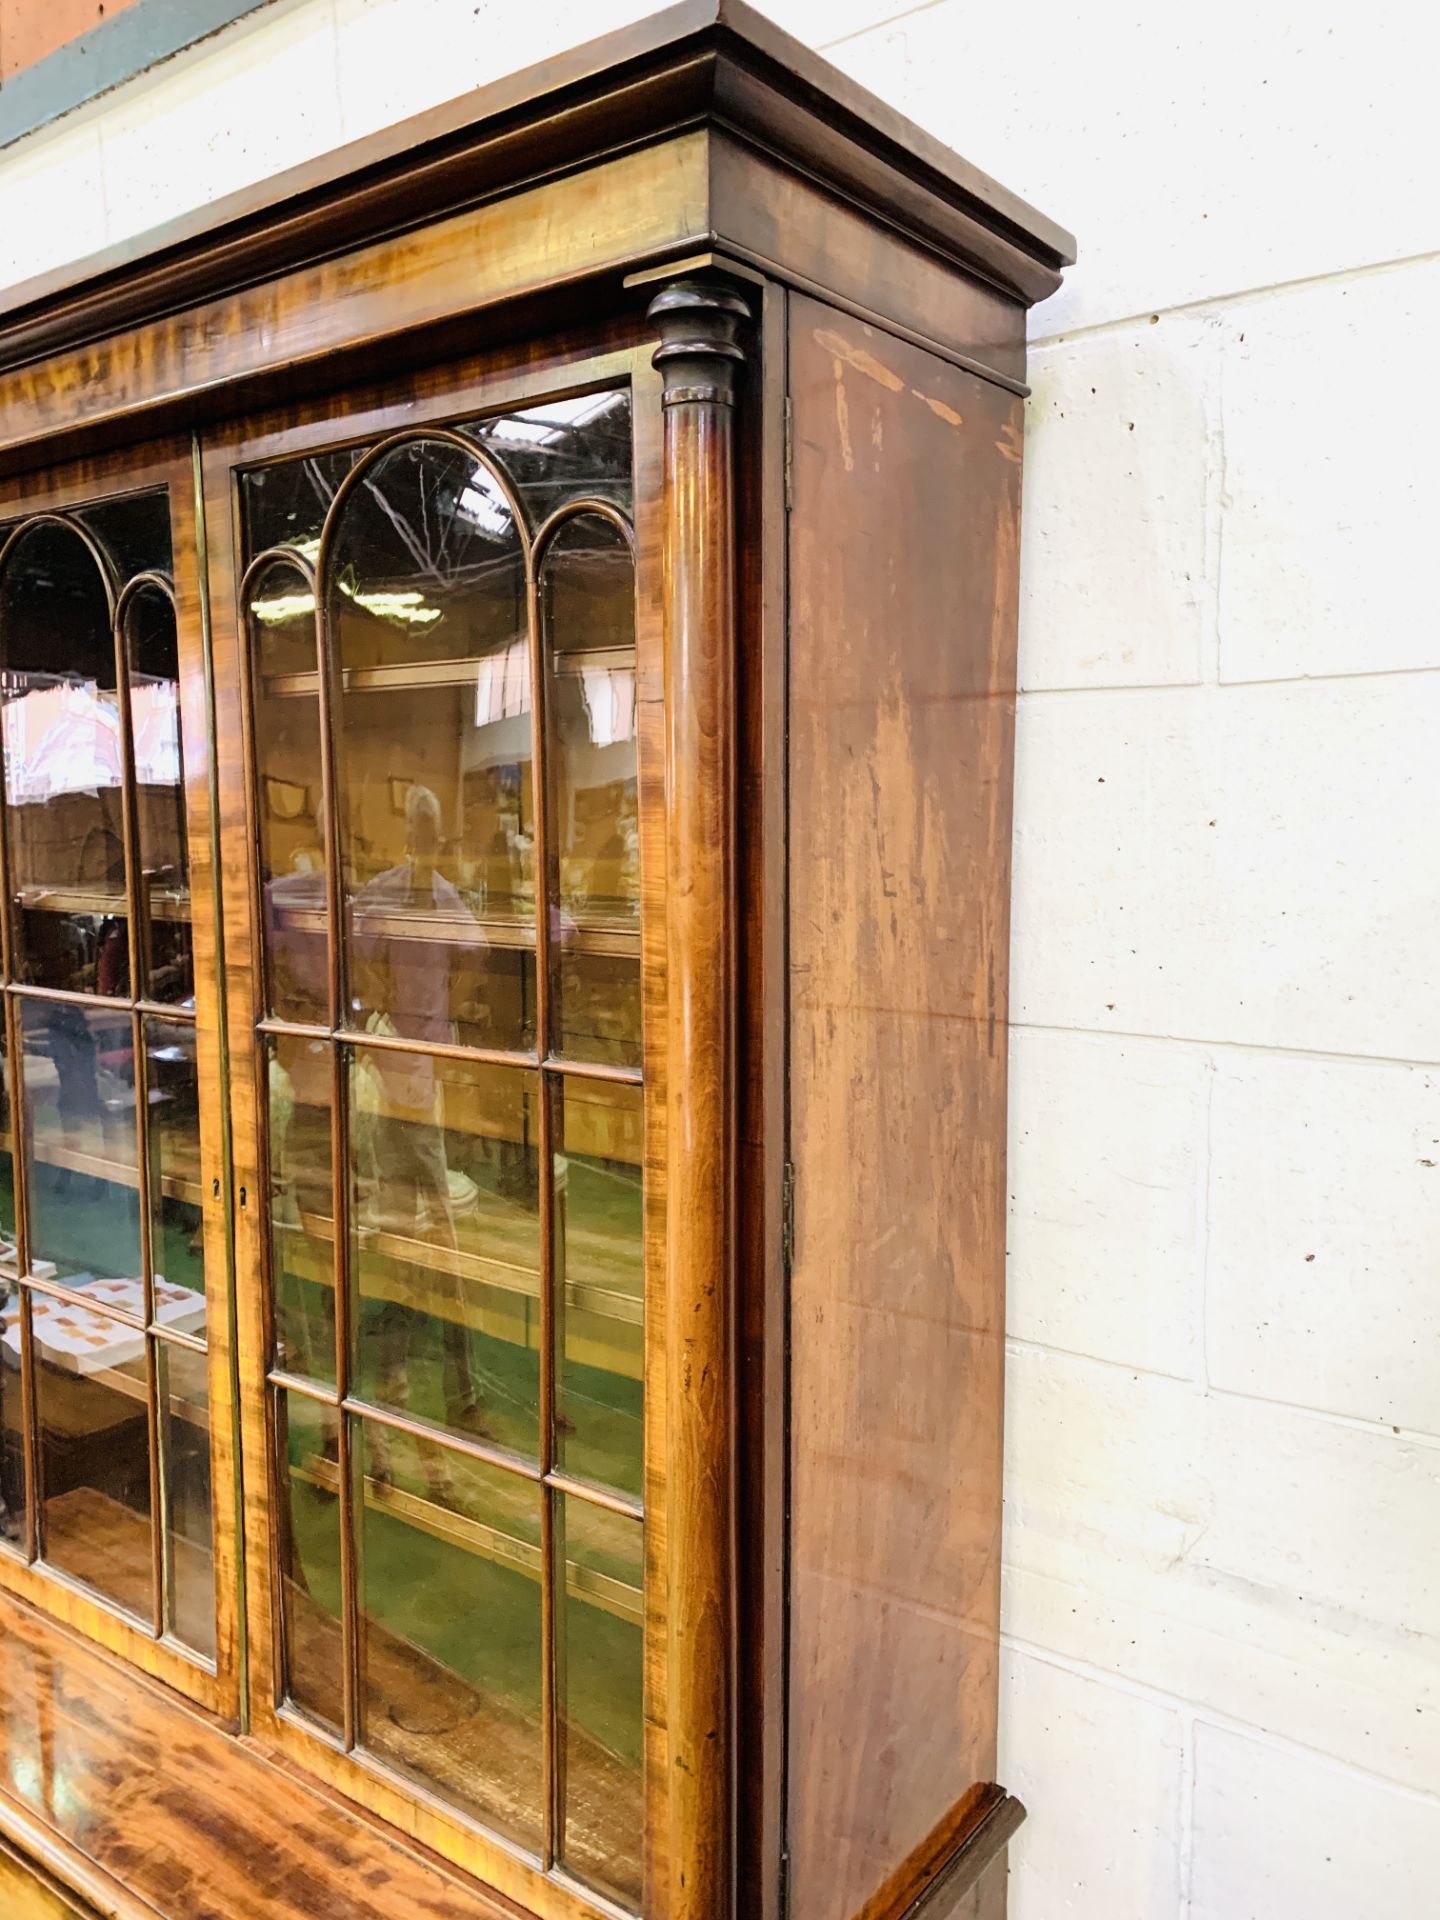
349	1589
327	669
596	1496
598	1070
15	1049
434	1436
699	357
72	1297
147	1282
435	1049
142	1165
20	1175
293	1030
104	1003
14	1061
159	1572
139	979
147	581
308	1389
196	660
545	878
177	1337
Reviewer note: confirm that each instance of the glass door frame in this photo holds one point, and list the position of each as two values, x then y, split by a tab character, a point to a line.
170	464
503	381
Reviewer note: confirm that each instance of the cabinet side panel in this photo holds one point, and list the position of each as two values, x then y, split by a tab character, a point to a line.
904	538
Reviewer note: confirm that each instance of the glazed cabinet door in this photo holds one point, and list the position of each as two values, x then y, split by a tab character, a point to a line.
440	685
117	1481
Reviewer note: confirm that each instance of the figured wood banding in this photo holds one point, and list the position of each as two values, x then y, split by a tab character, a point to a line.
699	359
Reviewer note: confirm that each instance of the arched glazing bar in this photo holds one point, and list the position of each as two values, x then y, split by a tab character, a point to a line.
85	742
357	1036
14	545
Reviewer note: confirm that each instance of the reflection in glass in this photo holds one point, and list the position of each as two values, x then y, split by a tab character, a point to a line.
94	1451
600	1701
184	1408
587	596
134	530
451	1638
63	764
177	1243
599	1281
445	1250
302	1226
284	505
426	605
564	450
285	705
84	1199
163	906
308	1524
12	1425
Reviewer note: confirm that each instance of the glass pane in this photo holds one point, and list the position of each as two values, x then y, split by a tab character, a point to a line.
285	505
134	530
63	765
564	450
289	797
428	621
12	1428
84	1189
308	1525
94	1451
452	1649
163	901
177	1237
600	1698
600	1282
445	1243
184	1402
588	602
302	1205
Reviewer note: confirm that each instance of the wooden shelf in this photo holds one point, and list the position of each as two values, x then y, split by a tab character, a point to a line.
97	1166
173	907
402	675
615	935
512	1277
487	1542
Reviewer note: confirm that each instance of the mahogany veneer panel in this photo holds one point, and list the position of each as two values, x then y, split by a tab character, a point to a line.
902	582
101	1770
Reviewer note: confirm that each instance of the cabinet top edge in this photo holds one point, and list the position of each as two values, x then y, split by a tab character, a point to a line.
696	63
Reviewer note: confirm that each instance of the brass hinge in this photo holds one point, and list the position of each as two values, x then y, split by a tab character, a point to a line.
789	454
787	1217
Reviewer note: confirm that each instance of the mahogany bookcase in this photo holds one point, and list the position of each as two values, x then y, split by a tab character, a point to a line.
507	650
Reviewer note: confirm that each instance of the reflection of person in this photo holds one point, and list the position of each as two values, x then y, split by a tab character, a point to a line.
299	966
299	1102
411	934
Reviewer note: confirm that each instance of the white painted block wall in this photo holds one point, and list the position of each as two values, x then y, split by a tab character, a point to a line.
1222	1602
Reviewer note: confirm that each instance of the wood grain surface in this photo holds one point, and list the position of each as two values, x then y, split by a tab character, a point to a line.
902	583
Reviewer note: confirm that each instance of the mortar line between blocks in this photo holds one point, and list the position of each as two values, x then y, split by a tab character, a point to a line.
1188	1785
1203	1715
1016	1343
1235	296
1251	1047
877	26
1227	686
1207	1194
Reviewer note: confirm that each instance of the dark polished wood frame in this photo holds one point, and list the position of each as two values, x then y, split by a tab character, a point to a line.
658	208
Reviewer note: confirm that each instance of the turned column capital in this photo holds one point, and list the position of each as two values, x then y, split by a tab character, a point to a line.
700	352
